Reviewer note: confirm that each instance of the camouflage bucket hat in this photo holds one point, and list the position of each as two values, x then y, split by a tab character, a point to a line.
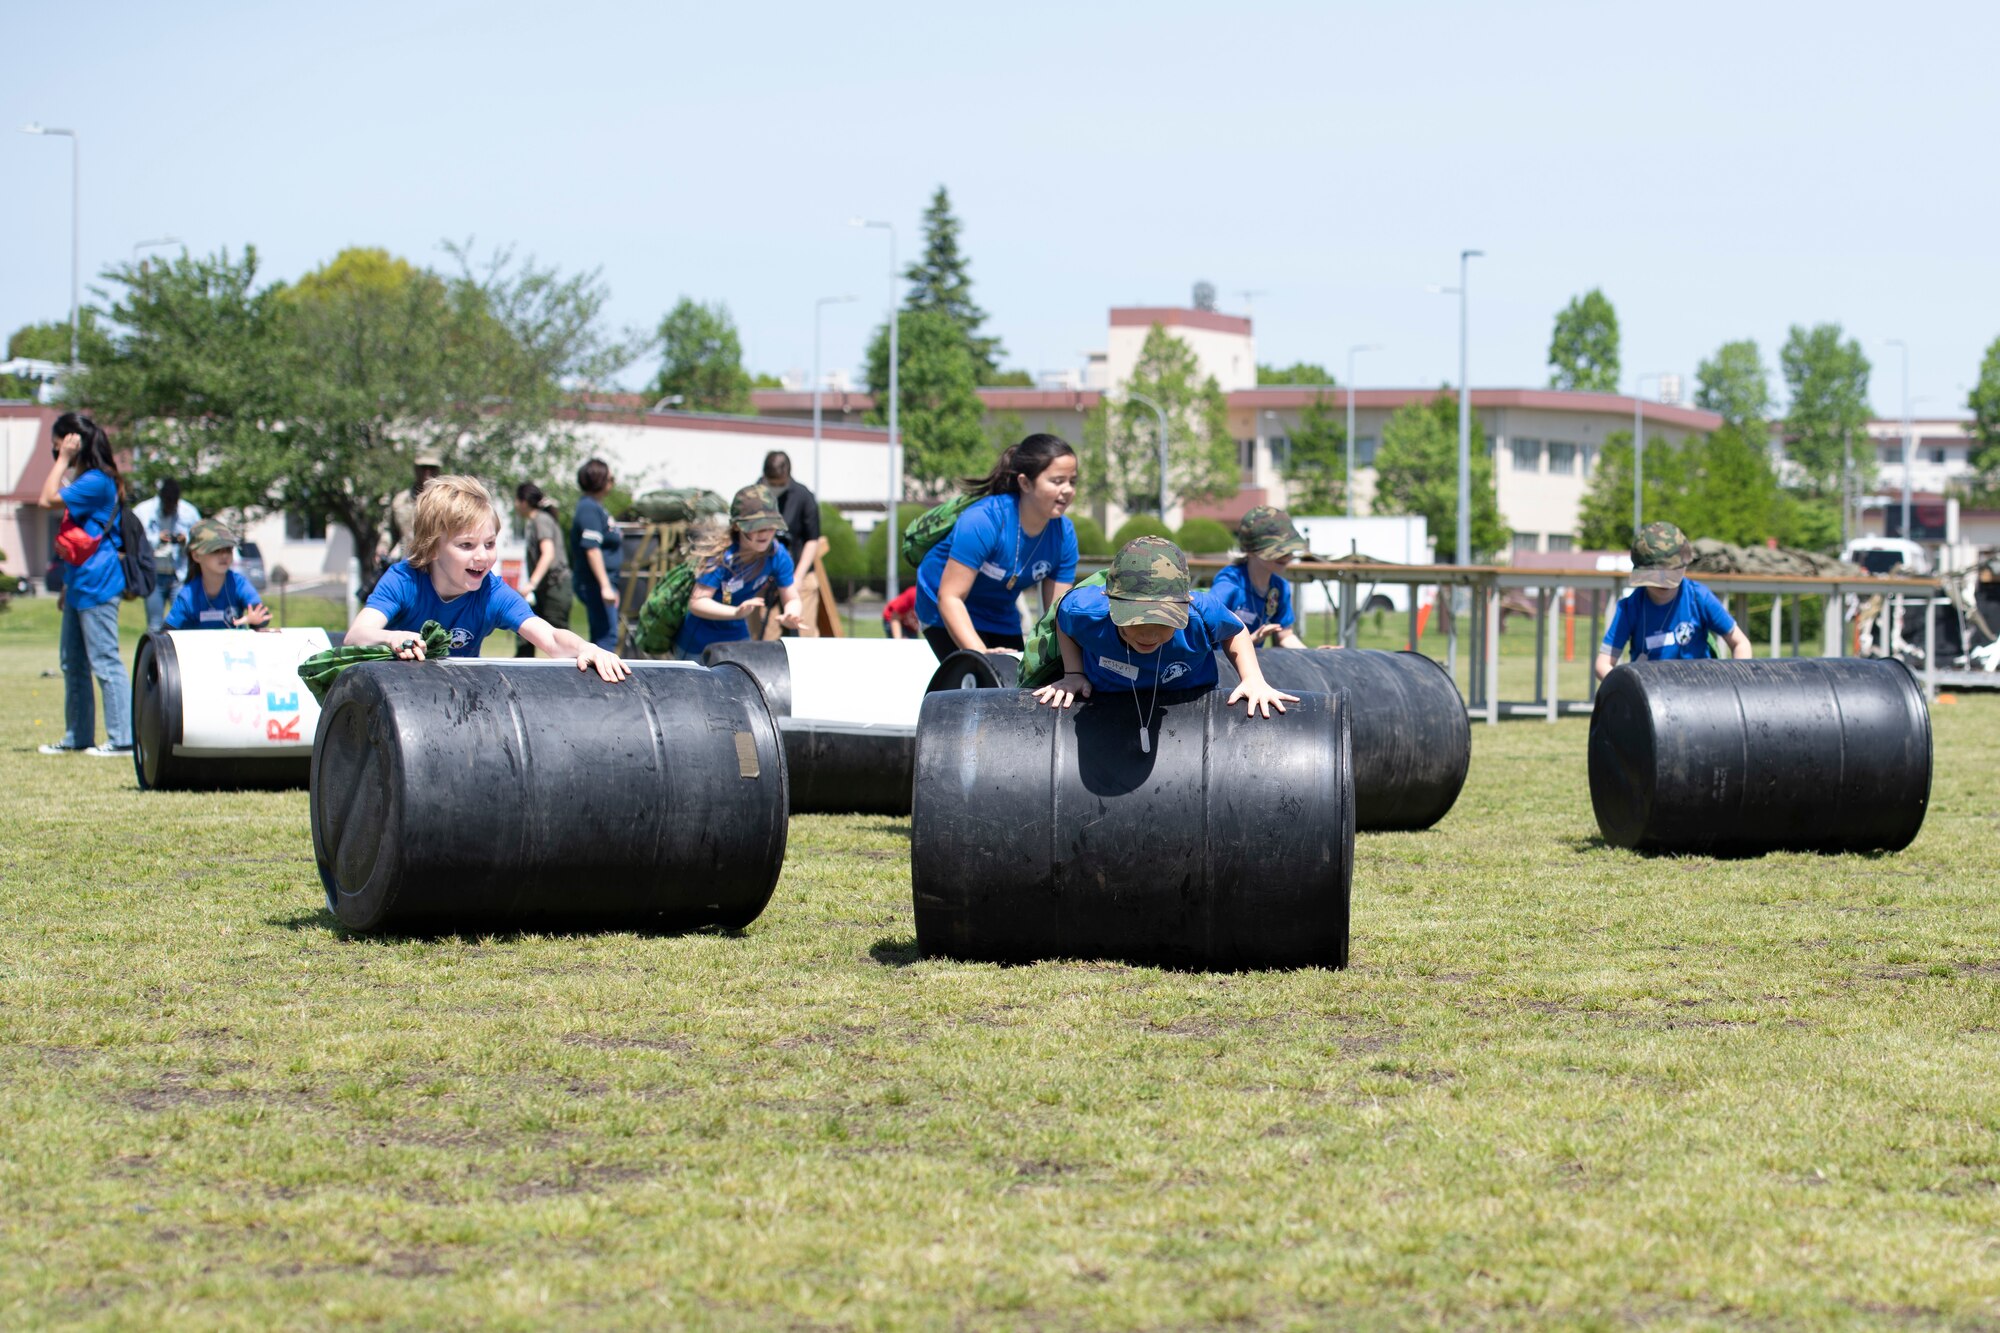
1149	584
210	535
1268	533
1660	557
755	509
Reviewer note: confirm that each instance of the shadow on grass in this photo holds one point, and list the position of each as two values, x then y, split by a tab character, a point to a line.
897	827
896	951
1708	855
1593	843
550	929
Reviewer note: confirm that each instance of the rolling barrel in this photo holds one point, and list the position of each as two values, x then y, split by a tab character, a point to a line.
223	708
967	670
1227	843
1737	758
1412	739
848	712
503	793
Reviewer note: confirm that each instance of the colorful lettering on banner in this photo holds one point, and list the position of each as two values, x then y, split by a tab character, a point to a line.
288	704
275	730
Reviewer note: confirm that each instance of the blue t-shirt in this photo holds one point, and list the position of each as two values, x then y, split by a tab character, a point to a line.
1677	630
730	582
407	597
1005	561
92	501
1232	588
1184	662
194	609
591	529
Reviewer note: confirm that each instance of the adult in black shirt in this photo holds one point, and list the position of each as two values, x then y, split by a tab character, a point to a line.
800	509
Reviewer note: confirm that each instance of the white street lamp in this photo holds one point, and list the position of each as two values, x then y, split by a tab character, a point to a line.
1464	544
157	241
75	226
1639	450
895	465
1905	347
821	304
1358	347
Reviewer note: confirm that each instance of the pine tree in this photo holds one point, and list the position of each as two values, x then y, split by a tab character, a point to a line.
939	281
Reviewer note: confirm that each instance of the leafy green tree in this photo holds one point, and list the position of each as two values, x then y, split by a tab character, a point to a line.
1090	538
1204	536
1316	463
1720	485
1604	519
764	379
1120	455
1984	401
1584	348
1140	525
1299	372
316	396
1736	385
50	342
942	422
875	551
1007	379
1827	380
703	359
1416	471
940	281
843	553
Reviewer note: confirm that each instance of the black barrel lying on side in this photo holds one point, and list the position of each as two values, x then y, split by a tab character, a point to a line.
848	711
967	670
498	793
1412	739
1738	758
1223	842
223	709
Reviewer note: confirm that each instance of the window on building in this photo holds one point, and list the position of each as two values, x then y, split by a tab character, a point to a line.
1281	451
1246	455
1527	455
305	525
1890	453
1587	459
1489	446
1561	541
1937	456
1527	541
1562	459
1364	451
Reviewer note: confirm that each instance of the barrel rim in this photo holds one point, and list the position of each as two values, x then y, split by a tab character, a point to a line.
169	679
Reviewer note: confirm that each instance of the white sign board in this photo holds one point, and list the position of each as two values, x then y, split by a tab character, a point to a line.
241	695
859	680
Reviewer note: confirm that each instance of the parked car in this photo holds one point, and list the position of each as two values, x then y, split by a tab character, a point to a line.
251	561
1879	555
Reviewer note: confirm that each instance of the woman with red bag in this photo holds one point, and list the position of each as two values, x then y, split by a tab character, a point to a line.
93	586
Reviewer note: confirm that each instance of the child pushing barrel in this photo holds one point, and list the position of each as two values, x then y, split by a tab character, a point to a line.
1255	588
448	577
1667	616
221	598
732	575
1147	629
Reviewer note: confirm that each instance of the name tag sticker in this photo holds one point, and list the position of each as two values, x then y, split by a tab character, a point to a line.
1128	670
992	571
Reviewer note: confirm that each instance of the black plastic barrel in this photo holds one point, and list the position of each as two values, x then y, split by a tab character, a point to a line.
967	670
500	793
1225	842
1412	739
1738	758
275	752
848	711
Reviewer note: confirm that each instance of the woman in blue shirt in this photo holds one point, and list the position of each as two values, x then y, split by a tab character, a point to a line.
448	577
730	582
1255	587
595	544
84	484
1012	538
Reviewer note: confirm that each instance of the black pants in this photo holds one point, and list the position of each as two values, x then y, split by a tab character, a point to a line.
941	642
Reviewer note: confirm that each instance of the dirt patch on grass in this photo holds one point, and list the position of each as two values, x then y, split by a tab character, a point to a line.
672	1045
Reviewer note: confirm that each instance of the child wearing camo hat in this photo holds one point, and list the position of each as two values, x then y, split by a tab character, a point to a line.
1667	616
732	573
1147	628
221	598
1255	588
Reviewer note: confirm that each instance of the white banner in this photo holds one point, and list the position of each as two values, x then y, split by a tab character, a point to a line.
241	694
860	680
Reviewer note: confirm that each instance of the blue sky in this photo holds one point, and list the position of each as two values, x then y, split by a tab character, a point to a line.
1721	170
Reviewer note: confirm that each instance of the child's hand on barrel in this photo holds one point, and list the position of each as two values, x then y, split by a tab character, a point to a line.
1263	696
1066	691
609	666
410	650
255	617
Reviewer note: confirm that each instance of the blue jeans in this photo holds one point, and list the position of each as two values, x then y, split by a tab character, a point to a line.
603	620
160	599
90	648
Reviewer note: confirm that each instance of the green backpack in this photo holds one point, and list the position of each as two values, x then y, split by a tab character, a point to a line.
1041	657
680	505
931	527
666	608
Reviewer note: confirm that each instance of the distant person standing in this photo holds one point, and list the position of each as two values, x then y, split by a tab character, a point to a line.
403	509
800	508
168	520
84	485
548	561
595	554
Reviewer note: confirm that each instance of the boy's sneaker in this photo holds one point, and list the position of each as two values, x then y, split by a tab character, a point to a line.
61	749
110	751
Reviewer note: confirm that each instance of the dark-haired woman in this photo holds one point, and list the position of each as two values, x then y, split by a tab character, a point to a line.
594	546
1012	538
84	484
548	562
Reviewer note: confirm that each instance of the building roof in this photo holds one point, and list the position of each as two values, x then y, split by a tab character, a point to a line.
1178	317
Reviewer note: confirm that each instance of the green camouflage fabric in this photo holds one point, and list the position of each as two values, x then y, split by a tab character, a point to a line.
1267	533
1660	557
666	609
321	669
1149	584
678	505
931	527
755	508
1041	655
210	535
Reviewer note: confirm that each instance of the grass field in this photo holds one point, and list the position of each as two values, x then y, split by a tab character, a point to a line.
1560	1086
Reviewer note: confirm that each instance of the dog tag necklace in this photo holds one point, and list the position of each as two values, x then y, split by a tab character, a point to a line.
1145	735
1014	569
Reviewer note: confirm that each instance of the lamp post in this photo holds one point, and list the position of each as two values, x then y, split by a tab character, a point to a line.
1464	415
1639	453
1905	347
1358	347
137	246
1160	413
895	466
75	226
819	305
